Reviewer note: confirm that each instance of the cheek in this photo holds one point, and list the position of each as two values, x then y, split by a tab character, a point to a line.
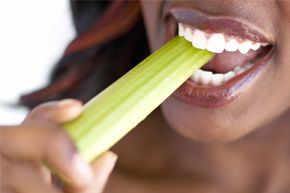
151	11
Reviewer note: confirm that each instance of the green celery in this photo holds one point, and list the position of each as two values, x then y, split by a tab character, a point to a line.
119	108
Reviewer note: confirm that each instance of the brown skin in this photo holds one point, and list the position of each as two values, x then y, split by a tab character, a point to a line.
248	113
39	139
164	156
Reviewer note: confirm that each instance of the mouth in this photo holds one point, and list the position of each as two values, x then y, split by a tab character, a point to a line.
241	54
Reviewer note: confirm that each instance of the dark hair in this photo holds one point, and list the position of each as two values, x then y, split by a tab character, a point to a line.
110	40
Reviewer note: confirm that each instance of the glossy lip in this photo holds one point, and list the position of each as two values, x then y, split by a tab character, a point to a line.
217	24
205	96
198	95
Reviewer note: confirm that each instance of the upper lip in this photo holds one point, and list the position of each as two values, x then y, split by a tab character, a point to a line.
217	24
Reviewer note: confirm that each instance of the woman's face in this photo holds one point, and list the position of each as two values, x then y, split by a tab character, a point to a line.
252	39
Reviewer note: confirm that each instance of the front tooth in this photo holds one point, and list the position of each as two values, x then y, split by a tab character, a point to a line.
181	30
188	34
217	79
232	45
205	77
245	47
216	43
196	76
256	46
229	75
199	39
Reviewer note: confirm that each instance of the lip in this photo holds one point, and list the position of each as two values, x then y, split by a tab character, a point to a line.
218	24
206	96
198	95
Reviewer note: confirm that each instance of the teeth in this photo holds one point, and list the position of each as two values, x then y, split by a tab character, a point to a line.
248	66
180	30
264	44
199	39
188	34
229	75
240	69
245	47
205	77
196	76
217	79
216	42
232	45
256	46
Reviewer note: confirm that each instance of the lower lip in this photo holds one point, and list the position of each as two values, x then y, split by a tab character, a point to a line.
211	97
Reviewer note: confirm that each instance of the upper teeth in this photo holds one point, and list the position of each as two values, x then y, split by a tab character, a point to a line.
216	42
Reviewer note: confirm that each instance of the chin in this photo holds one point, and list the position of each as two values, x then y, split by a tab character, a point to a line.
204	125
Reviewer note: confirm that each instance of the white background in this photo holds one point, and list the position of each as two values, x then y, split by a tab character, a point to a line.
33	35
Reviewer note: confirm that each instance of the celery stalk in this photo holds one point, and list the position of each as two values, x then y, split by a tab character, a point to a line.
120	107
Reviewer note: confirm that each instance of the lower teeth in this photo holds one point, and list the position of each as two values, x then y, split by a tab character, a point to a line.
204	77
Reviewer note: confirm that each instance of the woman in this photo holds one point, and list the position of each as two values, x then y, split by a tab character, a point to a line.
209	136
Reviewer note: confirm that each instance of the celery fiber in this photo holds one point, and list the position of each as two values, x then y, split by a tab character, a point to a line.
120	107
